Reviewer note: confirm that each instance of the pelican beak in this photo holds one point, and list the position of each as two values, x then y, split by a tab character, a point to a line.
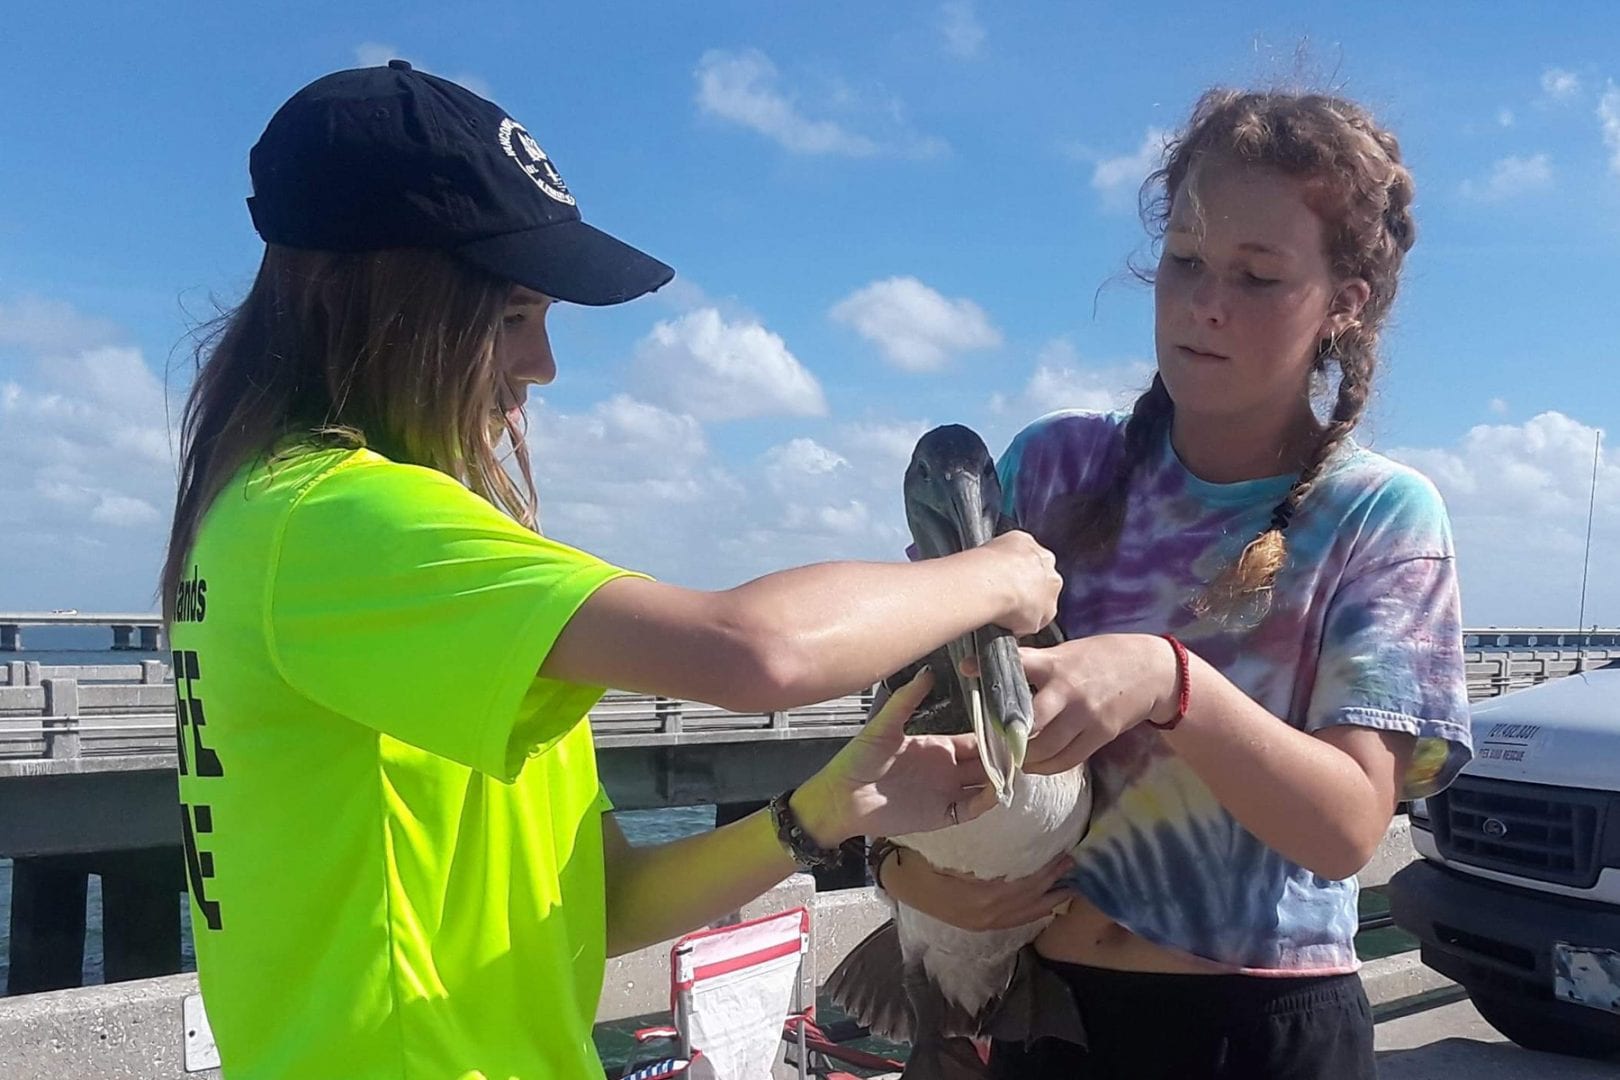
953	502
998	698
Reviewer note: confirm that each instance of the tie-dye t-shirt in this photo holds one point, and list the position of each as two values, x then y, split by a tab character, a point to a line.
1363	628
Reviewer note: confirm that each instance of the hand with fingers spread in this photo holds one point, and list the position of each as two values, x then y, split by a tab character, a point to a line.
884	782
971	903
1090	690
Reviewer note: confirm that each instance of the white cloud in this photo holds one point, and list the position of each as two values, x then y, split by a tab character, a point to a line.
36	325
1538	469
1560	84
635	484
718	370
916	328
743	88
106	397
89	474
641	486
1504	117
887	446
851	519
1498	406
789	465
1517	495
834	498
876	455
634	425
1118	177
620	452
1510	177
1609	116
112	509
832	491
682	295
960	25
1061	380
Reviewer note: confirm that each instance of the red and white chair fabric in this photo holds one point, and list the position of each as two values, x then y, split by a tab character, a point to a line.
735	996
732	989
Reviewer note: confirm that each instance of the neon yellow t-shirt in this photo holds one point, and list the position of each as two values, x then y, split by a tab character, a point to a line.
392	825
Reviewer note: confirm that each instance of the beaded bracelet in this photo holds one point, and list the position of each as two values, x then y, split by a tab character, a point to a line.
1183	683
792	835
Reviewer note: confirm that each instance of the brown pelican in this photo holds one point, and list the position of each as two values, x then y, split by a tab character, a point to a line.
917	979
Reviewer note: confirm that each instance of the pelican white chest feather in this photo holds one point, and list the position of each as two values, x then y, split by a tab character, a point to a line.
1046	817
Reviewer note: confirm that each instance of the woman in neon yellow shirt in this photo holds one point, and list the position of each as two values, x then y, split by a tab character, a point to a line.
399	860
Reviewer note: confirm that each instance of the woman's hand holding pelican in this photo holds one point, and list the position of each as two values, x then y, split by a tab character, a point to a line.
886	783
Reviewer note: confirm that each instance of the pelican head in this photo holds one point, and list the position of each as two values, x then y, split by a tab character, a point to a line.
953	502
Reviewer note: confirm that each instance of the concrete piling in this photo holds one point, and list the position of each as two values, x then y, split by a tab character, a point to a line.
48	896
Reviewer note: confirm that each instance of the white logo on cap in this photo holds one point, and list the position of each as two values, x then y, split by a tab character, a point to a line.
527	153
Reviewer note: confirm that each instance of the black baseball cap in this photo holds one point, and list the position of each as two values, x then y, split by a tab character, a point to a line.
388	157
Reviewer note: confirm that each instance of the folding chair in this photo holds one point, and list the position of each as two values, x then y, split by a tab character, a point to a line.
735	995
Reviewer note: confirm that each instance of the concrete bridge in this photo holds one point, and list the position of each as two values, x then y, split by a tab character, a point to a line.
87	754
108	728
125	627
88	786
88	775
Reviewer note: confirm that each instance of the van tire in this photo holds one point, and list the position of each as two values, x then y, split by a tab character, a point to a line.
1535	1030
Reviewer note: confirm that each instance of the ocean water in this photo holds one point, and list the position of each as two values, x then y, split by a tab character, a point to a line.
90	645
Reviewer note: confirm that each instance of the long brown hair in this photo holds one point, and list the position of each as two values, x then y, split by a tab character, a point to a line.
1358	185
389	349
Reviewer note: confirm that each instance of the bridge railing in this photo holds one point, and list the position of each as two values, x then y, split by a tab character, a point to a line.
130	631
32	673
59	718
53	716
49	711
1492	672
1508	637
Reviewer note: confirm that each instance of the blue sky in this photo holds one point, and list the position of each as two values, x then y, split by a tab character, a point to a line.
883	217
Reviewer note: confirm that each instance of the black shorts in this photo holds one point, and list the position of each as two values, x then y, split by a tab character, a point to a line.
1145	1026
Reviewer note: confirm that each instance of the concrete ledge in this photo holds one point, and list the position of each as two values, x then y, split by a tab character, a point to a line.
85	766
123	1031
841	919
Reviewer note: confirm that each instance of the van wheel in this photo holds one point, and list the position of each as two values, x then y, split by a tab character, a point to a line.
1535	1030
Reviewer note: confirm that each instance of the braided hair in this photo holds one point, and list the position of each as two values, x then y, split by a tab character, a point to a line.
1357	183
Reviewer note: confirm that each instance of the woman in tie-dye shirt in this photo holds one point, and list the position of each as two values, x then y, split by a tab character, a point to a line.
1312	582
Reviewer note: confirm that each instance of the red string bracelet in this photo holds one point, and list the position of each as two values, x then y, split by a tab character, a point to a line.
1183	682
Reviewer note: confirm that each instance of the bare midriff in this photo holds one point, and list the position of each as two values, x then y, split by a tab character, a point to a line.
1084	935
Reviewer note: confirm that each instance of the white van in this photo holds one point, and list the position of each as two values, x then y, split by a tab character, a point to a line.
1517	895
